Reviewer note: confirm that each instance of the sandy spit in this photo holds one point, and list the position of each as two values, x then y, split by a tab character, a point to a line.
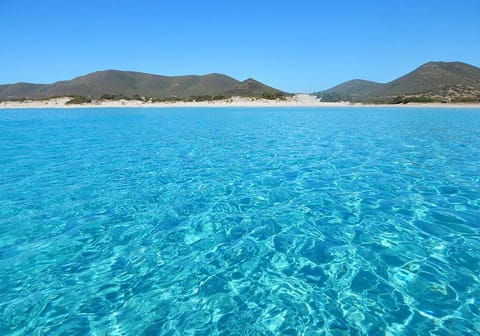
299	100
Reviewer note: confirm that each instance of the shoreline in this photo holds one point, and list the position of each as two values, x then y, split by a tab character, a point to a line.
299	100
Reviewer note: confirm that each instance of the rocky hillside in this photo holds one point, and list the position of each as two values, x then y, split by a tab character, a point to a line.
433	81
126	84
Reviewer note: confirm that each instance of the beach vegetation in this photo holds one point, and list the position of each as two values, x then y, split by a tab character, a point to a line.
114	97
200	98
334	97
76	99
48	98
399	100
19	99
466	100
220	97
170	99
411	99
273	95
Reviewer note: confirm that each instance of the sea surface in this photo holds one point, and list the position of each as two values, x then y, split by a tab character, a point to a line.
233	221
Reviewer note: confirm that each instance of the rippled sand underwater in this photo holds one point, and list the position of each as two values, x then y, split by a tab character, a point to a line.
293	221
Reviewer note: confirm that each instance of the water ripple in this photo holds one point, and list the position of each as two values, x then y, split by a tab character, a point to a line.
244	222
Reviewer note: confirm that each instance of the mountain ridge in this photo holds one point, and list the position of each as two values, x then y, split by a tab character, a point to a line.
117	83
430	82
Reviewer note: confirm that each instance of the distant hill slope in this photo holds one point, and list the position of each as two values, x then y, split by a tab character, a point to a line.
127	83
355	88
433	81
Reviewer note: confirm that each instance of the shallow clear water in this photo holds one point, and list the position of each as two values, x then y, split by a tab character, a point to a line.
240	221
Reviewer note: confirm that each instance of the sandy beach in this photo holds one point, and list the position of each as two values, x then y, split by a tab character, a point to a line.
299	100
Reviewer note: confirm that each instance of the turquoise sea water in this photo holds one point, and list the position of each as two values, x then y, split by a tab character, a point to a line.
240	221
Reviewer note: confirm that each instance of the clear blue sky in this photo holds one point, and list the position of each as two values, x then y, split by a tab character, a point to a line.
298	46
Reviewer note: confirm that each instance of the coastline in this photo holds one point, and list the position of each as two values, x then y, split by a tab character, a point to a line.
299	100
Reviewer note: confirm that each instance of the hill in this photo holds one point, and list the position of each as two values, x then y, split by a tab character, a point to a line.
354	89
114	83
433	81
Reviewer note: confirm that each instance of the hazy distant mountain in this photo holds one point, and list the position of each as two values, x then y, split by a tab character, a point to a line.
433	81
127	83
